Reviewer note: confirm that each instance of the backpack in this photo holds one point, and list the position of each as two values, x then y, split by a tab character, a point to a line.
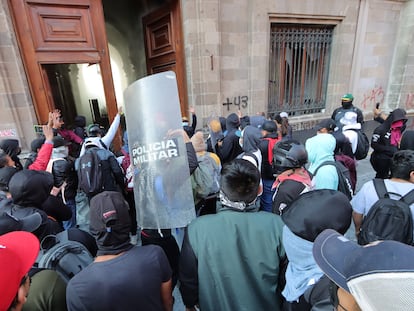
344	178
90	172
271	143
205	179
362	146
388	219
250	154
64	256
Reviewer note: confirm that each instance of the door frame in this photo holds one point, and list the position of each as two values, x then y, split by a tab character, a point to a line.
56	31
165	22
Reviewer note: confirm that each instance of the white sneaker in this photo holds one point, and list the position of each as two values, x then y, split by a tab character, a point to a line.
134	239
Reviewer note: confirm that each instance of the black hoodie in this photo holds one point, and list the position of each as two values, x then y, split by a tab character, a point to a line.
29	190
11	147
381	137
230	147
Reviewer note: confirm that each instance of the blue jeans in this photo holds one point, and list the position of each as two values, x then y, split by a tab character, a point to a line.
71	223
266	202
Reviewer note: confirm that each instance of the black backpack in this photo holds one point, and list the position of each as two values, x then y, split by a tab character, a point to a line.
90	172
65	256
344	178
388	219
362	146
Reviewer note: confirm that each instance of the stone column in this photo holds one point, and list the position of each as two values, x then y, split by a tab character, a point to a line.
400	91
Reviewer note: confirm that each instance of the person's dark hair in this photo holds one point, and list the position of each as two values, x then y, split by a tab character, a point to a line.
240	180
407	140
3	158
402	164
284	124
244	121
288	154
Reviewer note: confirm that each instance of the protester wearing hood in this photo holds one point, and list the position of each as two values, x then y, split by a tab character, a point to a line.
11	147
321	148
232	240
29	190
385	140
126	263
306	289
229	148
249	140
347	106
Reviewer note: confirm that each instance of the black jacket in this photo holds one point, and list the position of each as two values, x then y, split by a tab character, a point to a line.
29	190
230	147
63	170
381	137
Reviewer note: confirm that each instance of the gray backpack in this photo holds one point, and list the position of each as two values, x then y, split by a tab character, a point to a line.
64	256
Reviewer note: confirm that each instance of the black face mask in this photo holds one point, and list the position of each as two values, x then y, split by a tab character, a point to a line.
346	105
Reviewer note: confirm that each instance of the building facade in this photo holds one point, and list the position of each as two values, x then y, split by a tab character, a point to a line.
253	56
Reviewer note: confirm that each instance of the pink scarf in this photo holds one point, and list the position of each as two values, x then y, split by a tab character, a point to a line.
396	132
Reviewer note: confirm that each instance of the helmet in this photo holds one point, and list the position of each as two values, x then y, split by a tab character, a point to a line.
94	130
288	154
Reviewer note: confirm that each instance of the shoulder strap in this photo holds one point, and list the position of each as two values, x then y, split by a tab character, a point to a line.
408	198
49	167
380	188
325	163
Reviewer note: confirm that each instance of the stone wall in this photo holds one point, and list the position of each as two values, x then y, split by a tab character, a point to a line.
227	51
17	113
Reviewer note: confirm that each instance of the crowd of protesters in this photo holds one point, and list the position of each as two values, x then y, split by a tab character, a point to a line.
268	231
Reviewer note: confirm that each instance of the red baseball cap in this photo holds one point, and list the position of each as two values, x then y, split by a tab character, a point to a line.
18	252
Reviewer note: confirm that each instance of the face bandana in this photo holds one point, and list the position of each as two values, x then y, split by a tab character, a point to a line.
396	132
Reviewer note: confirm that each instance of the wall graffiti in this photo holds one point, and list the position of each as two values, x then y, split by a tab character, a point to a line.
239	101
8	133
409	103
376	95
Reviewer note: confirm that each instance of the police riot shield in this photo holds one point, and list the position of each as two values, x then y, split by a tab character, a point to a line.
162	186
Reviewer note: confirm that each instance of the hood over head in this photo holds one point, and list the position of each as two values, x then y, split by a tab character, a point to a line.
30	188
6	173
320	148
11	147
232	122
251	138
110	222
397	115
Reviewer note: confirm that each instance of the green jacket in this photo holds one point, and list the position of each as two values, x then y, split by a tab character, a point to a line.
231	261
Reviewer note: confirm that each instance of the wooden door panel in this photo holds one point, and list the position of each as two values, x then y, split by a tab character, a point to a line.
61	32
163	45
61	28
160	38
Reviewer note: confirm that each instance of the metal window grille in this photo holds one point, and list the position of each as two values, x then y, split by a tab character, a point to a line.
299	65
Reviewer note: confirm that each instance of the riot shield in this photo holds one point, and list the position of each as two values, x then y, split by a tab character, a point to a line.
162	186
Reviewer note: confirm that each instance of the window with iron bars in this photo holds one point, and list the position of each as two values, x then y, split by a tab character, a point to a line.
299	65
